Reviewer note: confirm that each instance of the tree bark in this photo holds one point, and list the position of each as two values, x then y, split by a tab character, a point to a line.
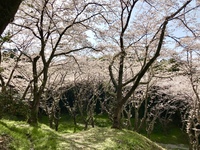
33	118
8	9
118	109
117	117
136	119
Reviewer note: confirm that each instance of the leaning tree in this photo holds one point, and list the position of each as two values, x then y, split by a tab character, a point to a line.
138	28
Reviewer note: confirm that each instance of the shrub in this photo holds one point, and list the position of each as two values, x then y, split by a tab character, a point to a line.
174	68
12	107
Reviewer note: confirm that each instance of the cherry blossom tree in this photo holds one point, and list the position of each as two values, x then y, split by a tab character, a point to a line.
189	59
138	28
55	29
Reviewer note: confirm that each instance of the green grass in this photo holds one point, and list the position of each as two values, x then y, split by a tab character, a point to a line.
24	136
66	124
110	139
173	135
42	137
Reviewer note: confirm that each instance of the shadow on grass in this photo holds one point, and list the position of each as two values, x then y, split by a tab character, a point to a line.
28	137
107	138
43	137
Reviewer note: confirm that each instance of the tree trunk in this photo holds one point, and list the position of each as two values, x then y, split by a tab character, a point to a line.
118	110
33	118
143	120
117	117
51	120
8	8
136	119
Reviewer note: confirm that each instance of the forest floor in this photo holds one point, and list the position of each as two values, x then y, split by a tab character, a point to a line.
172	138
19	135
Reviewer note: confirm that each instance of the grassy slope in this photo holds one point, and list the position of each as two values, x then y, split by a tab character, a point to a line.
25	137
173	135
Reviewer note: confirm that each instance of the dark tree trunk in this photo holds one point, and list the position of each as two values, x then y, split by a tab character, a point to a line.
117	117
51	120
136	119
33	118
118	108
8	8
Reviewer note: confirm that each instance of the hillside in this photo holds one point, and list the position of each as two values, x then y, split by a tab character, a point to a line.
19	135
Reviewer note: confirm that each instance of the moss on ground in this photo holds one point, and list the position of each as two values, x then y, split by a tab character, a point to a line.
25	137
